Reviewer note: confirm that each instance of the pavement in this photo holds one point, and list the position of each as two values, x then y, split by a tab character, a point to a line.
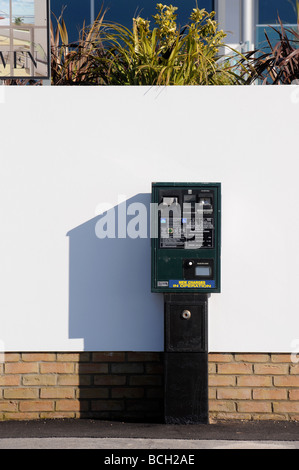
127	437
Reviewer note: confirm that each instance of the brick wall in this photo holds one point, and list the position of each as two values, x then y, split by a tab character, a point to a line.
129	386
118	385
253	386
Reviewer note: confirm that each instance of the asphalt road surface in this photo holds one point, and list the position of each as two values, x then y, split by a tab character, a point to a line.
93	434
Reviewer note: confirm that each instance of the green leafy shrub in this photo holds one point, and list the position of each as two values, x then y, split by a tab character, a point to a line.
279	65
77	63
166	55
111	54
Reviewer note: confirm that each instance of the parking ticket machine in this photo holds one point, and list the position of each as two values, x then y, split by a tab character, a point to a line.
186	244
186	237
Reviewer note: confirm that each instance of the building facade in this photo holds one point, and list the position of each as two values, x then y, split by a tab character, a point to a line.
244	20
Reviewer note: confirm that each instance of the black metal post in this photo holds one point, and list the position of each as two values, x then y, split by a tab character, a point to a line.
186	358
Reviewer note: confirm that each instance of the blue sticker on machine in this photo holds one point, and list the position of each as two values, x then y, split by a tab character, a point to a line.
192	284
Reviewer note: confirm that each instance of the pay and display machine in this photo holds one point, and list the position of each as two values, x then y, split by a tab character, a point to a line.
186	260
186	237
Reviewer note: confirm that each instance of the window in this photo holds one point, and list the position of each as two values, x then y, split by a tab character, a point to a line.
24	38
268	11
120	11
123	12
75	12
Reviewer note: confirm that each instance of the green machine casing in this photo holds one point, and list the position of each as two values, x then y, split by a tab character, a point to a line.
186	237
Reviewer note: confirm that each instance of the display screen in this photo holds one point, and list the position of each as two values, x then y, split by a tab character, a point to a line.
187	218
202	270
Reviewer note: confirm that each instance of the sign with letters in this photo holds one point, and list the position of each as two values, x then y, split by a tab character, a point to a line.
24	39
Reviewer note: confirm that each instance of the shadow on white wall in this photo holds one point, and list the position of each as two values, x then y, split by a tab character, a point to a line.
110	301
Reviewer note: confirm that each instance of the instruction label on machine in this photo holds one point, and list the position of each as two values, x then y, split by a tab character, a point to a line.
192	284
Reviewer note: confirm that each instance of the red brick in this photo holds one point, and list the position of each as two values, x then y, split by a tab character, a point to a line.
294	369
12	380
37	357
222	405
57	368
216	357
254	406
73	379
254	381
57	392
270	394
68	405
25	393
57	414
41	405
221	380
234	393
235	368
294	395
39	379
21	416
11	357
110	379
132	368
271	369
268	417
8	405
93	392
281	357
252	357
73	357
21	367
88	368
286	381
143	356
285	407
214	417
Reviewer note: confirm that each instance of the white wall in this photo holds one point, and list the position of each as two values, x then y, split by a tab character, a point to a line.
64	151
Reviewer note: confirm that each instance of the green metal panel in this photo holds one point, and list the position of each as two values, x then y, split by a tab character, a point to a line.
169	264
